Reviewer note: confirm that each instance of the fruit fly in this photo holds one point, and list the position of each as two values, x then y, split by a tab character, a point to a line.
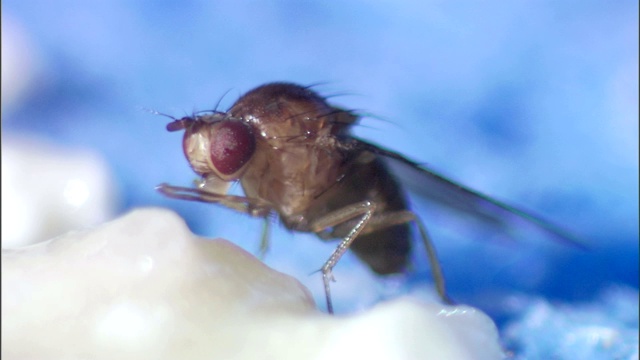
295	157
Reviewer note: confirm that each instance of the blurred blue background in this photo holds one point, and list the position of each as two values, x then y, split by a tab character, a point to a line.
535	102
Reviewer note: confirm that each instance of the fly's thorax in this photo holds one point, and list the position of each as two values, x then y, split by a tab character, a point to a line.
282	112
291	177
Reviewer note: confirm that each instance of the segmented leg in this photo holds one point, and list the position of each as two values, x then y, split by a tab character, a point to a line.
251	206
368	223
366	209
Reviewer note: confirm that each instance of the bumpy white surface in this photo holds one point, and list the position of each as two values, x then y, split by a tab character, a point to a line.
144	287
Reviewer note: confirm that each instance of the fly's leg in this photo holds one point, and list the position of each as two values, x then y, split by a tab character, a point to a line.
401	217
366	210
264	239
241	204
253	207
436	270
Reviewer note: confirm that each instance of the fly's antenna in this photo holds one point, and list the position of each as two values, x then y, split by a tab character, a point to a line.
175	125
156	112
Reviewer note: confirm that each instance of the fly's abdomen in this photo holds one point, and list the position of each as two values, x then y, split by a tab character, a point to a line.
386	251
385	246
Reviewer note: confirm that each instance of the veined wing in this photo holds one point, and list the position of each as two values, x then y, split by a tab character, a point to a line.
426	182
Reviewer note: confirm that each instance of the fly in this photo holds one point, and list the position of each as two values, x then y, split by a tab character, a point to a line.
295	157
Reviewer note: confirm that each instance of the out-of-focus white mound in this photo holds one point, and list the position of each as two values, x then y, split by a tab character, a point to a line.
144	287
48	190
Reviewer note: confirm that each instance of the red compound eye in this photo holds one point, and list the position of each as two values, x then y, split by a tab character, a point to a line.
232	145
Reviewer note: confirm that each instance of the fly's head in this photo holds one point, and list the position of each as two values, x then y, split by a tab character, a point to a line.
217	146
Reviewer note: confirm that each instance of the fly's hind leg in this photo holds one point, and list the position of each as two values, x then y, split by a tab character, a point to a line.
434	263
406	216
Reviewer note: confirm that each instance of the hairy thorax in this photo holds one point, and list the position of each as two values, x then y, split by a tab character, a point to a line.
295	162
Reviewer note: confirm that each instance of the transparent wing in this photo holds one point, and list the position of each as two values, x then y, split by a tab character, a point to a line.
427	183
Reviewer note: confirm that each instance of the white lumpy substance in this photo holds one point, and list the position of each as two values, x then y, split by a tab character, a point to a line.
49	189
144	287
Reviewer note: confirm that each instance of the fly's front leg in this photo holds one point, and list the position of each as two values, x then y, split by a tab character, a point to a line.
253	207
364	209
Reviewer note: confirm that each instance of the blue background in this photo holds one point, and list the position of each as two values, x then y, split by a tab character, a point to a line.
531	101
